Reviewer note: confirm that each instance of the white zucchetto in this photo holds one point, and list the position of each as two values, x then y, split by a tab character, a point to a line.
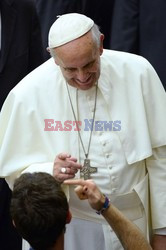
68	27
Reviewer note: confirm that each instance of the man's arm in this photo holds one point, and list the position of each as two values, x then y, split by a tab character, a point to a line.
128	233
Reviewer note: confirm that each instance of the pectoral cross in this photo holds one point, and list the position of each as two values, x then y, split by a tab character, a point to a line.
87	170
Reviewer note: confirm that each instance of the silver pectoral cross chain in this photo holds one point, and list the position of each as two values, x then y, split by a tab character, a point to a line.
86	170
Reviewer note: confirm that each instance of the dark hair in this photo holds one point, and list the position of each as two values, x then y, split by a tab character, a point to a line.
39	209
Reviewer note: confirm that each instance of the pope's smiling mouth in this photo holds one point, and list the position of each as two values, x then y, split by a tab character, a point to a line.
84	83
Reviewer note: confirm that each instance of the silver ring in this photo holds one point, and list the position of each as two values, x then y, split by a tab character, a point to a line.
63	170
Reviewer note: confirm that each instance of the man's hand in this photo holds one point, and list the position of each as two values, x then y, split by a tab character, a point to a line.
159	242
128	233
65	167
88	190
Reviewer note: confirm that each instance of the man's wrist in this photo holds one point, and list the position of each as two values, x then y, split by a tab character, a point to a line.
105	205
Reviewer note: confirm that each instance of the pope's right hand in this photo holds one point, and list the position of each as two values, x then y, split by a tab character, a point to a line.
65	167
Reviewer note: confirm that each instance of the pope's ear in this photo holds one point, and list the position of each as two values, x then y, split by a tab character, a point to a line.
101	43
48	49
69	217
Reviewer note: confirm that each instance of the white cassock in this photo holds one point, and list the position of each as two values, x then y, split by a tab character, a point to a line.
129	157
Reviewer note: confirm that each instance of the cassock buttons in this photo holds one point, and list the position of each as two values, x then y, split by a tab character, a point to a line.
108	155
113	178
114	190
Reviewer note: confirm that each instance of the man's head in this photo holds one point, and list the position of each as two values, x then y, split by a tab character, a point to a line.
39	209
76	44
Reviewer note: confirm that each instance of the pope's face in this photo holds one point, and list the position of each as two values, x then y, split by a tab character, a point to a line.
79	61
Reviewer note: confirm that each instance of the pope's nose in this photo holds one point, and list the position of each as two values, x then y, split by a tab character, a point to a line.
82	75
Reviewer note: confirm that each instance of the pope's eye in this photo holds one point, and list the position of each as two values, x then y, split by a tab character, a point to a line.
69	69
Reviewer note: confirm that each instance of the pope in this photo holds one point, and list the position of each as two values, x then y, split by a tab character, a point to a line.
84	81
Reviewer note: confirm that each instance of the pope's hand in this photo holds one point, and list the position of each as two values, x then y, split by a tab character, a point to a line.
87	189
65	167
